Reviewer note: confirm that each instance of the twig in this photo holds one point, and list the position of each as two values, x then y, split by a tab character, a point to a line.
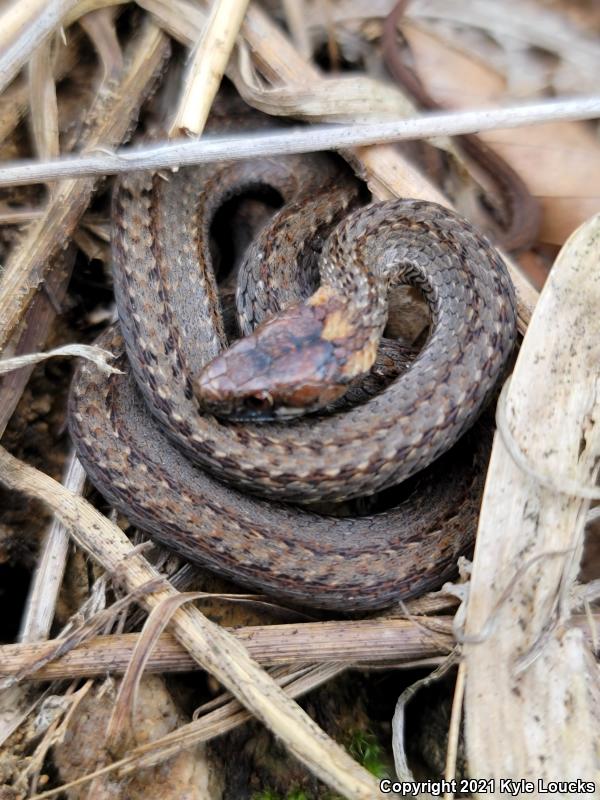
92	352
26	26
19	216
207	65
47	579
100	27
54	733
333	49
398	741
297	22
167	155
454	729
42	101
372	641
428	604
213	648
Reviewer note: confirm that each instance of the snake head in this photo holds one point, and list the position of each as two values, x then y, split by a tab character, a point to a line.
285	368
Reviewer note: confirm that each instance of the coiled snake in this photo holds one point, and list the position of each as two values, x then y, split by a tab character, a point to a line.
151	442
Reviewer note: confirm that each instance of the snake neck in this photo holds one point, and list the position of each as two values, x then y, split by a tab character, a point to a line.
375	250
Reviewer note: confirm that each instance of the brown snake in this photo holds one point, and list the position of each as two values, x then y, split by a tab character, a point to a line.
169	317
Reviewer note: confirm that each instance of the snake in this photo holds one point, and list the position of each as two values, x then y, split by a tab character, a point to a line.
222	451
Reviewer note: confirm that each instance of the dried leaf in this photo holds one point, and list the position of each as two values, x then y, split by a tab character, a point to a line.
560	162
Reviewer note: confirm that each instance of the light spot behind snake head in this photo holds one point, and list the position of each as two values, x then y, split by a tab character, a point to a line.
285	368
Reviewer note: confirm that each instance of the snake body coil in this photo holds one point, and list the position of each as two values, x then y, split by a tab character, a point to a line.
138	438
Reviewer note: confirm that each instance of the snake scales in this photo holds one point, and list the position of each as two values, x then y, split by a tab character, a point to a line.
191	479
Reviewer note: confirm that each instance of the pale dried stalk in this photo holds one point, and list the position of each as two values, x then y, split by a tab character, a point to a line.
90	246
227	717
213	648
16	705
76	631
182	20
91	352
49	571
454	728
111	117
355	99
297	22
17	702
19	216
403	771
120	733
169	155
537	681
70	700
100	27
207	65
15	17
342	642
42	101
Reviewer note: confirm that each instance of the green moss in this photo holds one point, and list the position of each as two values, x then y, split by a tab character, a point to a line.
365	748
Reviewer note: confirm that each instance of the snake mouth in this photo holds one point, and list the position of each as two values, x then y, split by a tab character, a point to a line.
264	407
256	408
249	414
